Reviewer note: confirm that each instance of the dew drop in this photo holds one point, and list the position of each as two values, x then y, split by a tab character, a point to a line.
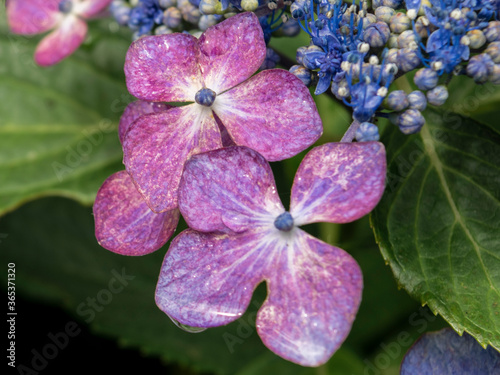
187	328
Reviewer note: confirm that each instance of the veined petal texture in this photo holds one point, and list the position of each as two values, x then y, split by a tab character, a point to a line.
314	295
229	188
230	52
338	182
207	279
135	110
124	223
157	145
272	113
164	68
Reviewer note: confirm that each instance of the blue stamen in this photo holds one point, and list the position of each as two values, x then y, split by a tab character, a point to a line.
205	97
284	222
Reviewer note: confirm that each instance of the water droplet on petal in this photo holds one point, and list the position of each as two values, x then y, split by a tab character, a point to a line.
187	328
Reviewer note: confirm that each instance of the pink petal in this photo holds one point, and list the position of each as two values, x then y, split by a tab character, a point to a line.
207	280
61	42
135	110
231	51
338	182
164	68
314	294
32	16
228	188
124	223
157	146
89	8
272	113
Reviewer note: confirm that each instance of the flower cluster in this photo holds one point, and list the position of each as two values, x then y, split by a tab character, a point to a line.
208	159
358	54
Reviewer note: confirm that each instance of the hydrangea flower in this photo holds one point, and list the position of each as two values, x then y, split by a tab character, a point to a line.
241	235
65	17
271	112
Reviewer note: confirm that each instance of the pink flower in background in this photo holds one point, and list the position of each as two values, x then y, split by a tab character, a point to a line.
241	235
271	112
66	18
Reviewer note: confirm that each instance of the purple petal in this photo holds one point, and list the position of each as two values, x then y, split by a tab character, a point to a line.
207	279
157	146
135	110
61	42
338	182
314	294
124	223
272	113
32	16
228	188
164	68
89	8
231	51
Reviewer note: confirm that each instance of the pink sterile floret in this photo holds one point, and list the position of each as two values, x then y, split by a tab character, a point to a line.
271	112
241	235
65	17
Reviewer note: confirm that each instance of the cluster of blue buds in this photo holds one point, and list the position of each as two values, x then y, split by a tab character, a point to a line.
357	52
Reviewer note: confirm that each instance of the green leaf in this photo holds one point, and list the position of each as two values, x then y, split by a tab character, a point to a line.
60	262
58	124
438	222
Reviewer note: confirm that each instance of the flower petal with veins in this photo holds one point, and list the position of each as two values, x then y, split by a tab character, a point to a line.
124	223
218	189
338	182
272	113
157	145
164	68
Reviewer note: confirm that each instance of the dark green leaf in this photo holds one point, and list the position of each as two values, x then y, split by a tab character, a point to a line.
438	222
58	124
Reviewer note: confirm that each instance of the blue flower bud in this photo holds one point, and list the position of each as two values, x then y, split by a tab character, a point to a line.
172	17
299	56
400	22
493	50
479	67
492	32
396	4
438	95
303	74
377	34
407	39
407	59
476	39
290	28
120	12
367	132
190	13
426	79
208	20
271	59
384	14
417	100
368	20
422	27
162	30
410	121
210	7
397	100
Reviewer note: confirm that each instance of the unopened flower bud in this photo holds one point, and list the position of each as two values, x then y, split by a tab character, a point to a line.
438	95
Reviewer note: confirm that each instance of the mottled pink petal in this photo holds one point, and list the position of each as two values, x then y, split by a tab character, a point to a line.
135	110
89	8
61	42
338	182
164	68
157	146
314	294
32	16
272	113
231	51
228	188
124	223
207	279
